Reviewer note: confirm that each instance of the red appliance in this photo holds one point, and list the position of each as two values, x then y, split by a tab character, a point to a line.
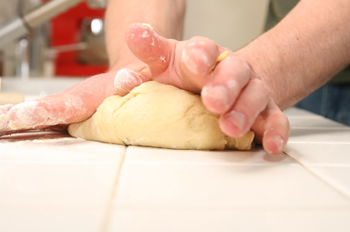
66	30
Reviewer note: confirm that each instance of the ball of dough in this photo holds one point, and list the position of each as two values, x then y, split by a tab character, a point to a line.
158	115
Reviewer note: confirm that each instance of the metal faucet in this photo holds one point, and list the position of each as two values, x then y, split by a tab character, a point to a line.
22	25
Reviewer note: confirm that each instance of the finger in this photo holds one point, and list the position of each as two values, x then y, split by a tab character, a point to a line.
127	79
149	47
74	104
252	100
272	128
196	59
230	76
5	108
44	112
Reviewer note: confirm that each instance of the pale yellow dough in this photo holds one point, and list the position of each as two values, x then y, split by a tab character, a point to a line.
158	115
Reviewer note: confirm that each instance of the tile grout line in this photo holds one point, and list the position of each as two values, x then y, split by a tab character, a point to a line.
321	128
109	208
318	141
176	163
335	187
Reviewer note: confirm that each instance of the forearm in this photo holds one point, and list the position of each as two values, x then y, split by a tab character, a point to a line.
305	50
166	17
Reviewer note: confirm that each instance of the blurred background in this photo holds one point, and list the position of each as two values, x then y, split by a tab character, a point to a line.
72	43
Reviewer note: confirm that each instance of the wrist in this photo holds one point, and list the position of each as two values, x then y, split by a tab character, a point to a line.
271	66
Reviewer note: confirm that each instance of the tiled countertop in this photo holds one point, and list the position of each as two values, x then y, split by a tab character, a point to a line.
52	182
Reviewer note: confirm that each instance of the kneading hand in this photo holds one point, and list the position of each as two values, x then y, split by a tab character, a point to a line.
230	88
74	104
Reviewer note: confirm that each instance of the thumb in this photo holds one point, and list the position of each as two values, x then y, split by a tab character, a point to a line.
149	47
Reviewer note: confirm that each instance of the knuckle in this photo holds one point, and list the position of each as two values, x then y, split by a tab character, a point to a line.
243	63
250	107
256	83
203	44
237	69
279	120
259	88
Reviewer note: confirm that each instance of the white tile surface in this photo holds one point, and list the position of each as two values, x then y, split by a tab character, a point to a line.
240	219
330	163
299	118
57	172
320	153
31	184
56	148
224	184
336	176
326	135
324	152
49	182
15	219
314	122
312	128
155	155
296	112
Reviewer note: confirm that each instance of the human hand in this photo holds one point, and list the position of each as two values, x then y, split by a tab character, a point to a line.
74	104
230	88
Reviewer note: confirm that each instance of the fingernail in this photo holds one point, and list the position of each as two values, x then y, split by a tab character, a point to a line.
196	60
219	95
237	118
